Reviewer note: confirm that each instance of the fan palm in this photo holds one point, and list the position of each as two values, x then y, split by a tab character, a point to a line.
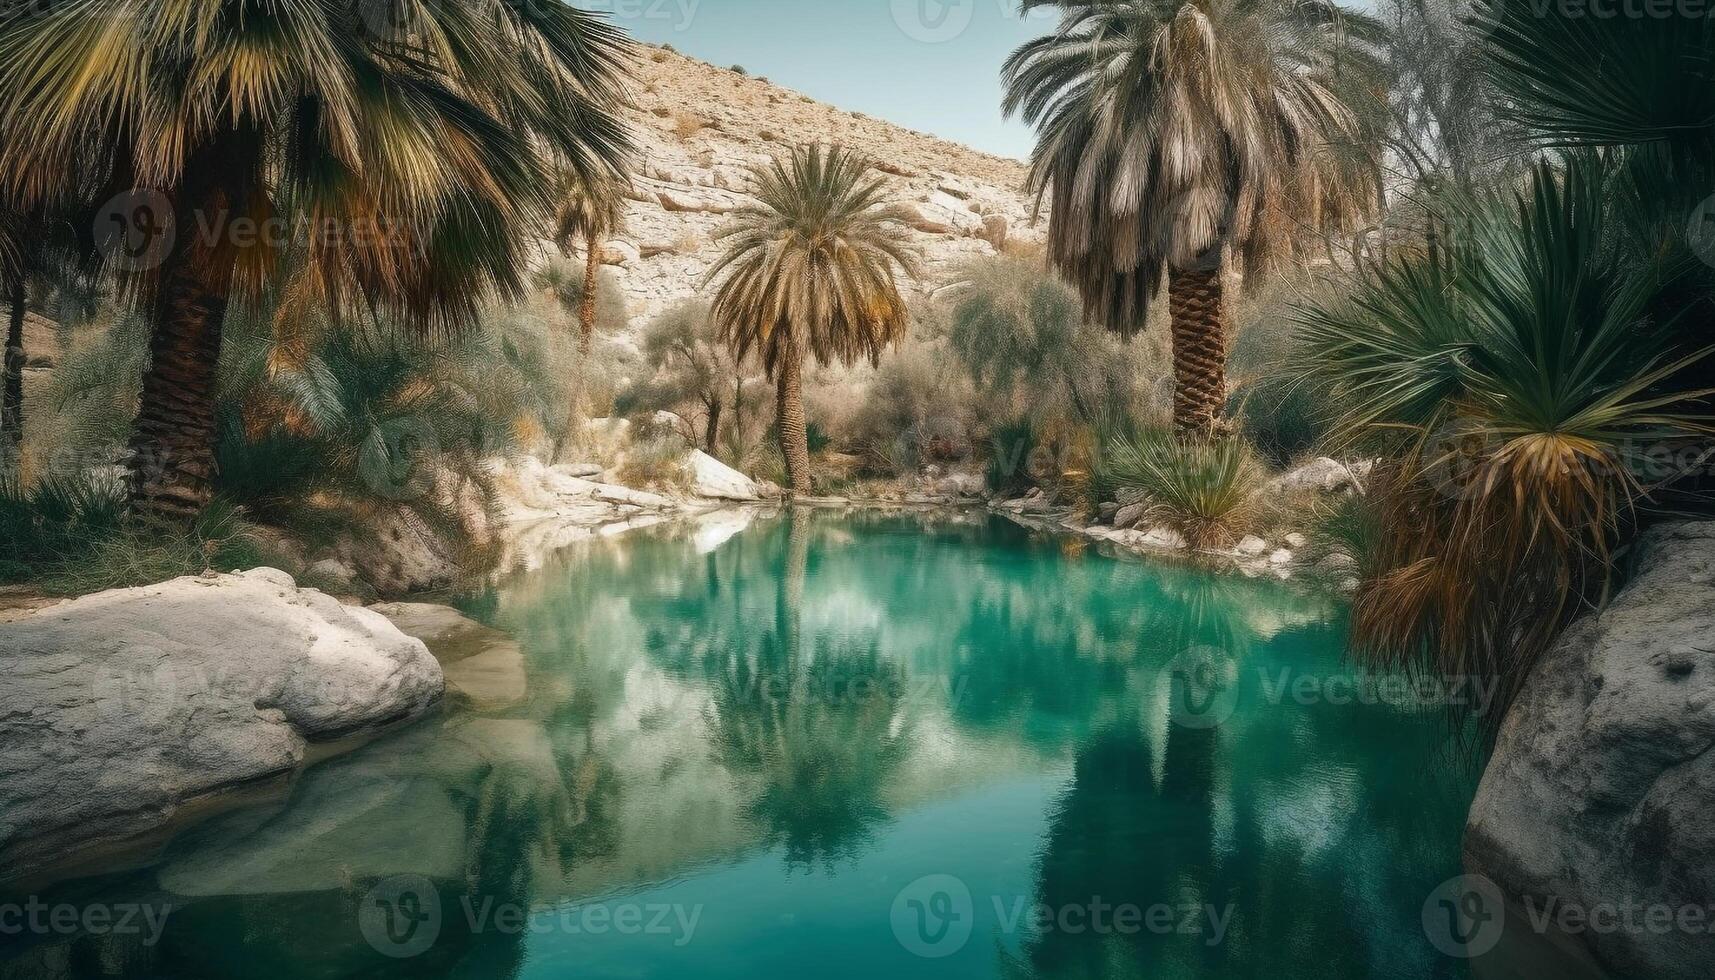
408	145
1535	400
589	212
1175	137
809	271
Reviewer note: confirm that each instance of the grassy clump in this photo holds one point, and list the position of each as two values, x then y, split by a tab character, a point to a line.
71	535
1206	489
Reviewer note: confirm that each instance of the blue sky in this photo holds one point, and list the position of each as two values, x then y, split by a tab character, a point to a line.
932	65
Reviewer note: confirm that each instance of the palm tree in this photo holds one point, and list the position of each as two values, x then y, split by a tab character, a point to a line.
1172	139
406	146
589	212
810	269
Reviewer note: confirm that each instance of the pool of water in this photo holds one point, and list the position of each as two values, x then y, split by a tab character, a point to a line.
847	746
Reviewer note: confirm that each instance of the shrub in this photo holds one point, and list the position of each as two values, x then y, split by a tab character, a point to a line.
656	460
739	70
918	408
686	125
1010	447
1021	335
1205	488
69	535
1284	418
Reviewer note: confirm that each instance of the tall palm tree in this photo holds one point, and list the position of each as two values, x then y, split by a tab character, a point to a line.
1174	138
589	212
810	270
407	145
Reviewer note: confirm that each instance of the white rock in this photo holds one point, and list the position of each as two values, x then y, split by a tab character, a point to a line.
1251	546
1296	540
1324	475
1602	779
332	568
1280	558
119	708
1162	537
716	480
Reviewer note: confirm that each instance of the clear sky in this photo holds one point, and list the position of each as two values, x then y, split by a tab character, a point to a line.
932	65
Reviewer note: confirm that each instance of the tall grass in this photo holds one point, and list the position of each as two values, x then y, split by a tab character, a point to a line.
1206	489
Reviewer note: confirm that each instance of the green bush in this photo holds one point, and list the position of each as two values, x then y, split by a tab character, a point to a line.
1011	445
1284	418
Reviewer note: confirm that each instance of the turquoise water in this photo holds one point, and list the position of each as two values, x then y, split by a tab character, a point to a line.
848	747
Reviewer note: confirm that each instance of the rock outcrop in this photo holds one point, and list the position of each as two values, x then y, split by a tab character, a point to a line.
701	127
123	712
1598	796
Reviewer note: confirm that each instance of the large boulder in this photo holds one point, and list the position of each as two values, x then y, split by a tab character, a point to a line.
1596	802
120	710
716	480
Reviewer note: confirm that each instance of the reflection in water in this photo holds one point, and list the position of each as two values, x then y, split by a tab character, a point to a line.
782	728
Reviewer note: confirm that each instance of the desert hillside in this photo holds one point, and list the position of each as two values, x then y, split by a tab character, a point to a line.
700	127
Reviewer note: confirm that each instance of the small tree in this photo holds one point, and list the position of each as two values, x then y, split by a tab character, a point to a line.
691	367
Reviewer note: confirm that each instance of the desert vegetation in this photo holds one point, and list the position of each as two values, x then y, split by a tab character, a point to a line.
1432	252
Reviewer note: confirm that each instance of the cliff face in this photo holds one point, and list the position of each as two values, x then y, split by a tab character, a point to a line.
700	127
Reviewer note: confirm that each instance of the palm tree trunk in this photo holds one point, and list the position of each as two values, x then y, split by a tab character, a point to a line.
586	307
789	415
171	468
789	603
12	400
1199	349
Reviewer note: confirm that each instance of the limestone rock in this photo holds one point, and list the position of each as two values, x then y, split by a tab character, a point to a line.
1251	546
1323	475
1602	780
716	480
120	708
1129	515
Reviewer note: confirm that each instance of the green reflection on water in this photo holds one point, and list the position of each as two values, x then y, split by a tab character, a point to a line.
725	751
